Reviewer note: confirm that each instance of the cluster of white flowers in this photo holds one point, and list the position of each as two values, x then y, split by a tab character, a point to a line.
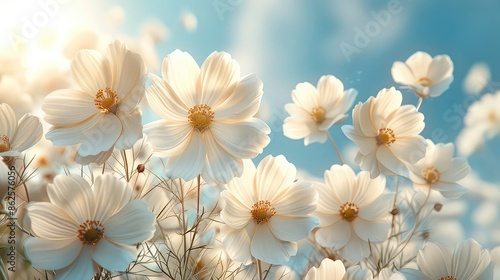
180	197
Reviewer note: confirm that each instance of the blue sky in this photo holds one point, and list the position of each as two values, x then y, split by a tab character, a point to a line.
288	42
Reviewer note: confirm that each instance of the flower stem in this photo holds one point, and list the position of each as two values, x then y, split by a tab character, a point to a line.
420	100
198	199
125	164
335	147
259	269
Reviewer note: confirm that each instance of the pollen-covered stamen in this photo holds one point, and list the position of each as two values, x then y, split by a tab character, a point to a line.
424	81
262	211
349	211
200	116
4	144
449	277
106	100
386	137
431	175
318	114
90	232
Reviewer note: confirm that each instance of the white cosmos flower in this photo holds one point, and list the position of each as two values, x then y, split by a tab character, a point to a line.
327	270
440	171
387	134
208	125
82	228
482	122
353	210
266	212
425	75
16	137
477	78
468	261
103	113
315	110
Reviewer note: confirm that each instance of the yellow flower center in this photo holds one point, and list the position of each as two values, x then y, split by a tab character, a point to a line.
4	144
431	175
318	114
448	278
262	211
386	136
424	81
106	100
349	211
200	116
90	232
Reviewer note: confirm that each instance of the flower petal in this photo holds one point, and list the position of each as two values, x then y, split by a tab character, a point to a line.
377	209
168	139
288	228
402	74
237	242
165	102
298	128
97	134
83	266
218	73
243	102
73	195
410	150
305	96
381	108
128	72
181	72
190	162
273	177
266	247
334	236
50	222
440	68
437	89
419	64
68	106
434	260
91	71
365	145
131	129
470	260
8	122
52	254
131	225
355	250
330	91
459	168
28	133
373	231
342	181
243	139
220	166
362	119
111	195
235	213
390	161
300	199
407	122
98	159
450	190
113	257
